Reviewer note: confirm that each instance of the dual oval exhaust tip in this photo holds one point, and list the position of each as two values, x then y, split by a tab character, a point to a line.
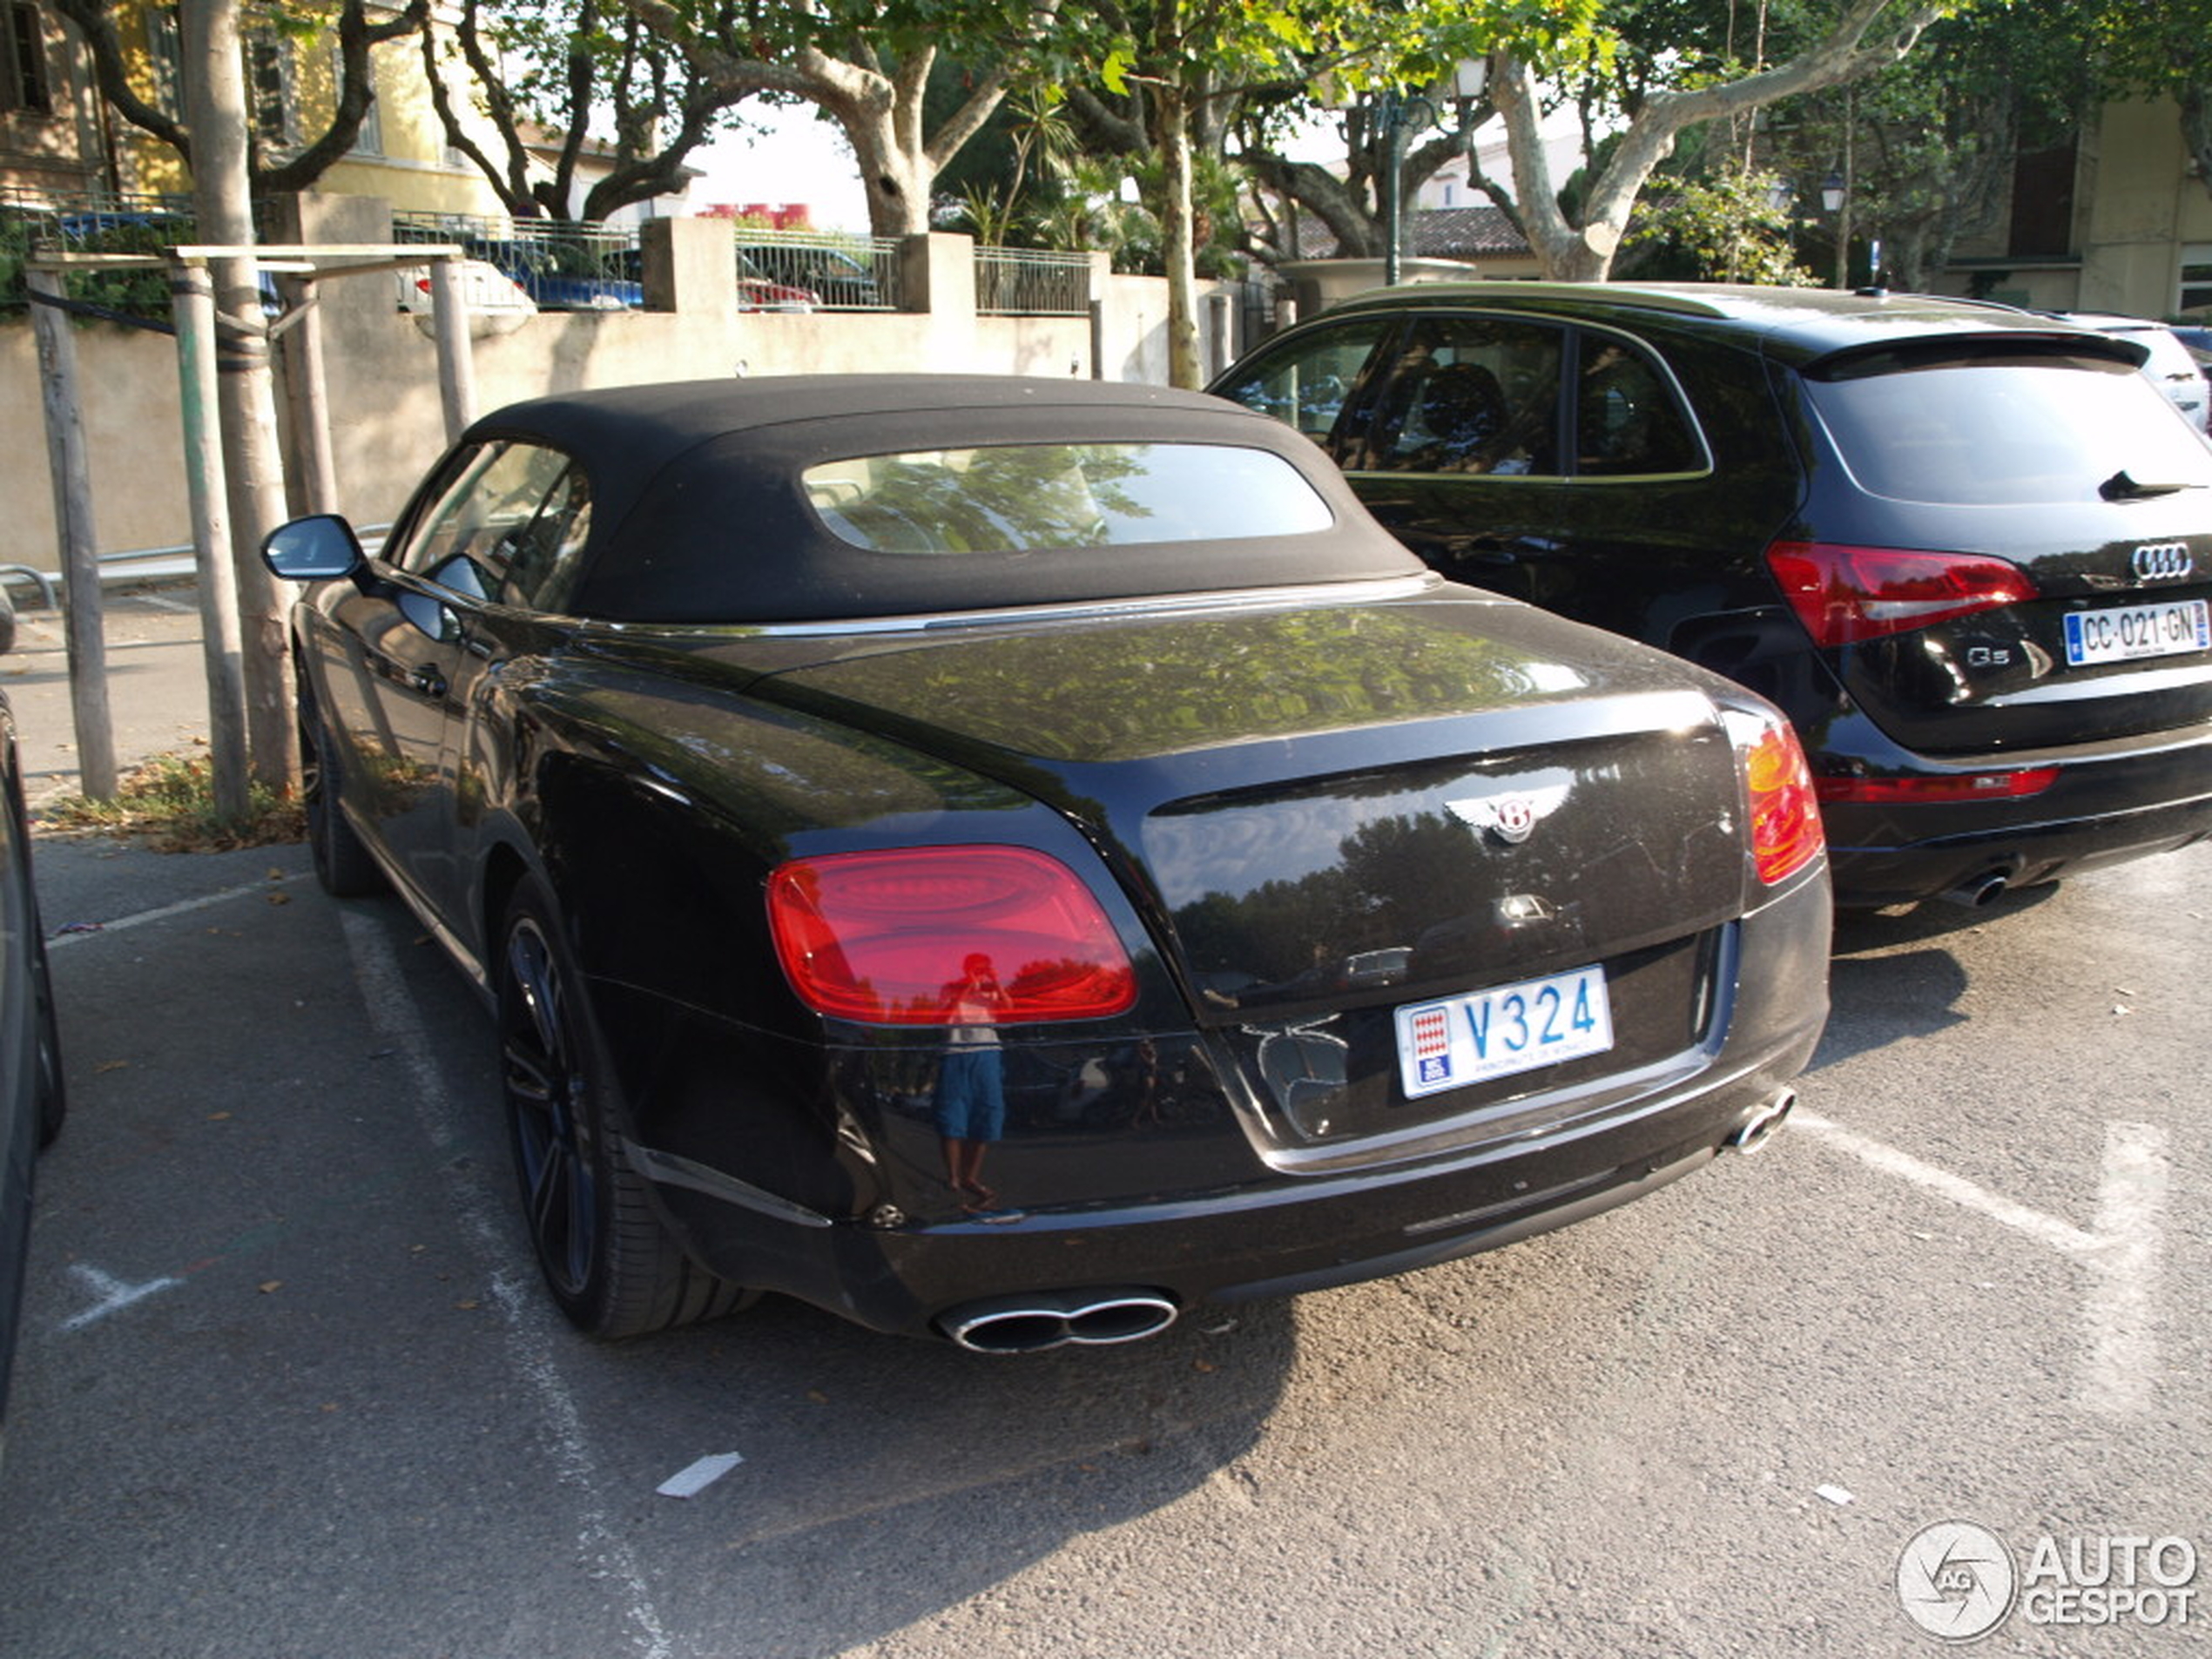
1034	1322
1039	1320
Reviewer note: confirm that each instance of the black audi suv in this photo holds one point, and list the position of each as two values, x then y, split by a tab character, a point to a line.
1963	546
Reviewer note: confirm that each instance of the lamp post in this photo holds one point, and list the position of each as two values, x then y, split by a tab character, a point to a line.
1835	196
1399	112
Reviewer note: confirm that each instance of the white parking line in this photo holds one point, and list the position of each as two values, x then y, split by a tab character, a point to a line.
2119	1371
182	908
391	1012
2048	1230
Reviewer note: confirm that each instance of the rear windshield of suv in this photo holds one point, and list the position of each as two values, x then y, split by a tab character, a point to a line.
2009	427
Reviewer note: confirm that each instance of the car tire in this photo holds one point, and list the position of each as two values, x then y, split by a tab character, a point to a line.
7	622
608	1261
343	863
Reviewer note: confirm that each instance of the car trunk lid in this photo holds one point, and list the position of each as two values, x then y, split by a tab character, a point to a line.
1328	814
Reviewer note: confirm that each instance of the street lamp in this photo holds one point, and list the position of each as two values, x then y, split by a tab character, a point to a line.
1400	112
1835	196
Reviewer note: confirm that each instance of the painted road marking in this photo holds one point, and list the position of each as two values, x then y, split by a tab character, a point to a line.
182	908
391	1012
2119	1371
114	1294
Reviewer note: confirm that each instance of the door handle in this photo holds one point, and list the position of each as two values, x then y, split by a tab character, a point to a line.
428	680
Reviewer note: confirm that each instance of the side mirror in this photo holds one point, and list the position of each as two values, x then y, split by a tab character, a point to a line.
317	548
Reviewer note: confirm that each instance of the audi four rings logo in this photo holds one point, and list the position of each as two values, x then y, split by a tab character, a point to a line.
2162	562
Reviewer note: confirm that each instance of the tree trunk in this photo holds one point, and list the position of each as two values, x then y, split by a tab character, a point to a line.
222	205
1179	232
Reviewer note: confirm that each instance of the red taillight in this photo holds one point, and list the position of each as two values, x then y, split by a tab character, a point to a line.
1785	817
892	938
1846	594
1971	785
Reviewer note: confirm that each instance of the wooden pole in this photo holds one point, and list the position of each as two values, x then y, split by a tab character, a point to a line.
457	369
307	390
80	561
193	300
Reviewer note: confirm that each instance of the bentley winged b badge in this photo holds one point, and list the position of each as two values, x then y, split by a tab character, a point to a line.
1511	815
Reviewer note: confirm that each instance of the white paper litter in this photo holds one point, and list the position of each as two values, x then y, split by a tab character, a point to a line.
1836	1495
689	1483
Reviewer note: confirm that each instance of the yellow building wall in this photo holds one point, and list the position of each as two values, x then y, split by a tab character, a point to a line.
412	171
2144	204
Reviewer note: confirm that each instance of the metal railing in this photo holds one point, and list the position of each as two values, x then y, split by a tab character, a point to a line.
1031	282
581	266
100	222
828	270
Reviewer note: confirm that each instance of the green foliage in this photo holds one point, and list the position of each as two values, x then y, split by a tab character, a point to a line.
1728	227
137	293
170	801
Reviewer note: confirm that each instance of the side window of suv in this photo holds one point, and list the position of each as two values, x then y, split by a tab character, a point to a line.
1627	422
1310	383
1468	395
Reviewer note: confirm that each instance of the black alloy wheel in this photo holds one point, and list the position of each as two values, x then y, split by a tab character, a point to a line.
609	1263
343	863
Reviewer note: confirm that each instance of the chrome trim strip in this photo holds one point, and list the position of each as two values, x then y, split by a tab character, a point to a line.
671	1171
1368	590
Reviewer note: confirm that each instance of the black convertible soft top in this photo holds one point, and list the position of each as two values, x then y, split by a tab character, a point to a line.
700	514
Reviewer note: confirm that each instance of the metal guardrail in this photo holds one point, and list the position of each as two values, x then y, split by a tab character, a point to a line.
144	564
1031	282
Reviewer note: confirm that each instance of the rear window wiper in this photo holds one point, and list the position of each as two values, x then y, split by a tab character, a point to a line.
2120	486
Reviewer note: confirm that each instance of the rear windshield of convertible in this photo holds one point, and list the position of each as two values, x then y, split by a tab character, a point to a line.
1020	498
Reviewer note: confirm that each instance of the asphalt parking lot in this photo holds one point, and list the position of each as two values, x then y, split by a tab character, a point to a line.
287	1387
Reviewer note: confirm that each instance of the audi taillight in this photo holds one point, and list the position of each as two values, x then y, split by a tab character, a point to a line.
1846	594
1785	813
942	935
1927	790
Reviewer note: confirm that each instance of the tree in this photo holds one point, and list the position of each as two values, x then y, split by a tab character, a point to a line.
96	21
2153	51
1864	36
1182	69
866	65
1352	206
1934	140
574	64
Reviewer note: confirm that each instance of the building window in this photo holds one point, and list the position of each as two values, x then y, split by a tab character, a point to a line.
369	141
166	55
2196	276
272	96
23	62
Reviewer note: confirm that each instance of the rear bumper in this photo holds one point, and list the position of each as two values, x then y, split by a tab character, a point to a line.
2101	811
1266	1233
1275	1238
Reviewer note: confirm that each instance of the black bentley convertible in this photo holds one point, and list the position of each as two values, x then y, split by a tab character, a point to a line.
1016	859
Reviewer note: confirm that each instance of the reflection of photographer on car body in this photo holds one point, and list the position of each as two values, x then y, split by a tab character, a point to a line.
971	1101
